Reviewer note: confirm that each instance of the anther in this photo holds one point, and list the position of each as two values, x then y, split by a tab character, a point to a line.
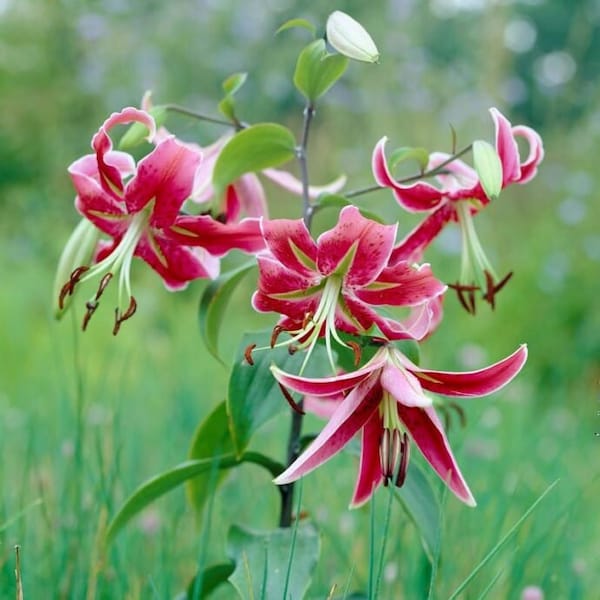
276	331
292	349
103	283
69	287
307	318
357	352
248	354
295	406
492	289
404	457
119	318
466	295
91	307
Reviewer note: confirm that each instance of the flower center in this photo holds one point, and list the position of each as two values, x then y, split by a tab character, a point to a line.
476	273
394	446
118	261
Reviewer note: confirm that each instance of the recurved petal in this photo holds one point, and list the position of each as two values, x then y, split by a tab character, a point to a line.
330	386
414	198
176	264
110	175
473	383
292	184
536	152
218	238
250	197
425	429
460	176
369	472
290	243
402	285
346	421
507	148
413	245
366	242
166	177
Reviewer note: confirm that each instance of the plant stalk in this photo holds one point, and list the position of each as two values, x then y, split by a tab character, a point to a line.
293	446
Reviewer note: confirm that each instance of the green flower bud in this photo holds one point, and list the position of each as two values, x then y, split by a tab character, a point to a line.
350	38
489	168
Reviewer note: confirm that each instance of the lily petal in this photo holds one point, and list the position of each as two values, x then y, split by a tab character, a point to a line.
329	386
536	152
218	238
473	383
403	386
291	244
426	431
507	148
248	195
293	184
369	472
372	242
165	176
350	416
414	198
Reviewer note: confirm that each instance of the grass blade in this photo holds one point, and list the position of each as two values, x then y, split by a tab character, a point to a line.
501	543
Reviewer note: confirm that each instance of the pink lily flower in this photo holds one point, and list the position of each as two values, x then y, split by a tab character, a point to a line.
386	401
458	198
332	284
138	206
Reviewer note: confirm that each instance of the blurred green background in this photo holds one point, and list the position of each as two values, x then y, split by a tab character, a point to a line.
85	418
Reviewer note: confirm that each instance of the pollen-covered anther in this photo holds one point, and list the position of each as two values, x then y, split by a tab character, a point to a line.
466	295
69	287
103	284
120	317
389	453
357	352
493	288
248	354
295	406
91	306
404	459
307	319
276	331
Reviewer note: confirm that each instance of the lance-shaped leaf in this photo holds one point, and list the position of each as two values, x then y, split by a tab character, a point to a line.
203	584
317	70
408	153
231	86
297	23
421	504
159	485
253	395
253	149
211	439
213	305
261	561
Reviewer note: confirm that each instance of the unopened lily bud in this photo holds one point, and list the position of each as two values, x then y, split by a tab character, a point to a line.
489	168
350	38
78	252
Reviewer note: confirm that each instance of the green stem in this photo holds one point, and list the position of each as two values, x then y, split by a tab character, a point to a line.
293	446
440	169
196	115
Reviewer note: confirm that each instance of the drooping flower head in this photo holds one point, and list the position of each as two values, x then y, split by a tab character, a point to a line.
138	208
459	196
332	284
386	402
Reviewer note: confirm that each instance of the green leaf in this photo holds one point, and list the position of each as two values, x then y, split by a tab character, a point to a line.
316	70
253	395
302	23
137	133
211	439
159	485
339	201
488	167
253	149
203	584
422	506
214	302
261	560
407	153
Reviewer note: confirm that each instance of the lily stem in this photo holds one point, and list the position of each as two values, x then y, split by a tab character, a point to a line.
294	445
188	112
424	175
